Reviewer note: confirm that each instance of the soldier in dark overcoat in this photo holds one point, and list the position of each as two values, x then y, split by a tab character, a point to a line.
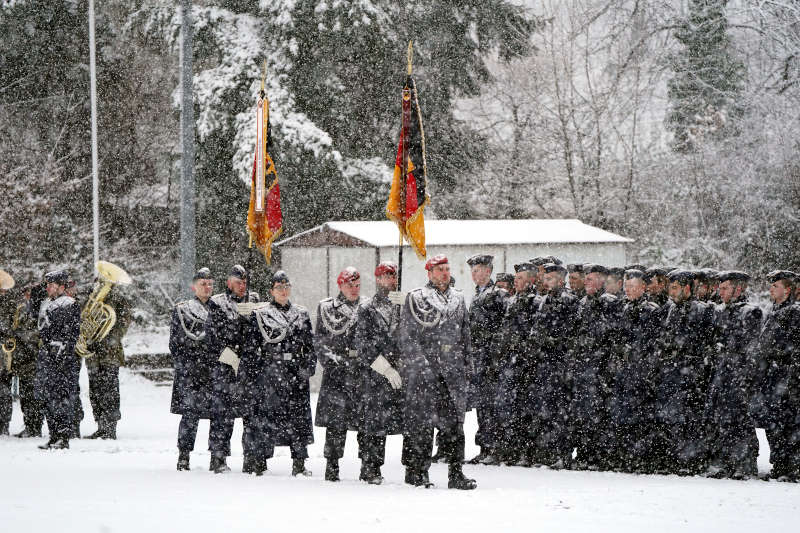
685	353
731	437
513	444
56	380
597	318
550	393
631	407
656	279
341	389
486	313
776	405
382	400
226	325
575	279
192	387
103	368
277	361
436	370
23	364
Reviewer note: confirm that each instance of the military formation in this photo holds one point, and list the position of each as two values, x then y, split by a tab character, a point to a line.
46	335
578	366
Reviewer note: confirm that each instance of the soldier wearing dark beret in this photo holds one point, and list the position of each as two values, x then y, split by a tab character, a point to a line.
732	442
685	350
575	276
777	400
486	313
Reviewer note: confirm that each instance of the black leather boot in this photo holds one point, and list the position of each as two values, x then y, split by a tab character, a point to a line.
418	478
299	468
332	470
457	480
183	461
371	474
218	465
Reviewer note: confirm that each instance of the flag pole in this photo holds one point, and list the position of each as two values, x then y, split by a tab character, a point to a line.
403	177
250	261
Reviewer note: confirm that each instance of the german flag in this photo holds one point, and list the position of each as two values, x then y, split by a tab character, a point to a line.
264	217
408	196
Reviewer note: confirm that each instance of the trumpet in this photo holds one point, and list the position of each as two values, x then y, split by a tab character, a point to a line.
97	317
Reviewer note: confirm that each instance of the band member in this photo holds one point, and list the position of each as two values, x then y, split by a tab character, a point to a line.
225	331
8	340
23	363
382	404
436	366
277	360
103	367
486	313
59	329
340	392
192	389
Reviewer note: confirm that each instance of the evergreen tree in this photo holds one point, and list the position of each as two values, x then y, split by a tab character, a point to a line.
705	92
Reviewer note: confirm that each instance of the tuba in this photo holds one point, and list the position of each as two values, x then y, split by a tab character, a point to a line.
98	318
10	345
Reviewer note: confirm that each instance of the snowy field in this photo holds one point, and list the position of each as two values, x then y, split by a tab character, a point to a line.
131	485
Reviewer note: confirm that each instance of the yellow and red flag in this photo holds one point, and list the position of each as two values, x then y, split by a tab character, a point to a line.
408	195
264	217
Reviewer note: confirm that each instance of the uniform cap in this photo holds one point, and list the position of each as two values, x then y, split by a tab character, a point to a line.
440	259
684	277
616	271
711	274
6	281
634	273
635	266
539	261
700	276
57	276
588	268
347	275
553	259
504	277
553	267
385	267
733	275
652	272
525	266
777	275
203	273
480	259
238	271
279	277
574	267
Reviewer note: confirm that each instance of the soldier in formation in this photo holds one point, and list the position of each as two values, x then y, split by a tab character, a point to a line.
340	392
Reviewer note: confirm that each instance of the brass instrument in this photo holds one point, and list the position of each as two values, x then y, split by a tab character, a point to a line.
98	318
10	345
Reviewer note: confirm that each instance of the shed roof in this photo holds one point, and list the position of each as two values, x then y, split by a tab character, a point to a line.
456	232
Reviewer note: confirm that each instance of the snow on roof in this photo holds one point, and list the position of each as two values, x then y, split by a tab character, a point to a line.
468	232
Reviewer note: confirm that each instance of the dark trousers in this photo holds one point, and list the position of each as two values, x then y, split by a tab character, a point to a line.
486	436
32	407
104	392
258	442
6	401
334	443
372	449
784	446
219	434
418	441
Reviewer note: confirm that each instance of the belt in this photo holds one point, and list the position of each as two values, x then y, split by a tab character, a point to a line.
352	353
285	356
446	348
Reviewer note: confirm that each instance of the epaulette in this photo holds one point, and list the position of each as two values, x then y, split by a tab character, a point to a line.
218	298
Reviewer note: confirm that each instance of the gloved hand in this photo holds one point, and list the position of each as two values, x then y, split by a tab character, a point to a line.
382	367
398	297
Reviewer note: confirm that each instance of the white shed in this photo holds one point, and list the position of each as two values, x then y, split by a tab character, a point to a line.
315	257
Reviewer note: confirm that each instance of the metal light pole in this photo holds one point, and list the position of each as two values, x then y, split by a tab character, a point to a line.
95	179
187	151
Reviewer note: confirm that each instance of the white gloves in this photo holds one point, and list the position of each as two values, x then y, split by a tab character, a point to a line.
397	297
230	358
382	367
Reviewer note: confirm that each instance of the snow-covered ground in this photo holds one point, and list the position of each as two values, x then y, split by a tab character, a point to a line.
131	485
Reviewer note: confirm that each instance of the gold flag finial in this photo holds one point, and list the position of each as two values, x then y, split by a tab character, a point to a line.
410	56
264	76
